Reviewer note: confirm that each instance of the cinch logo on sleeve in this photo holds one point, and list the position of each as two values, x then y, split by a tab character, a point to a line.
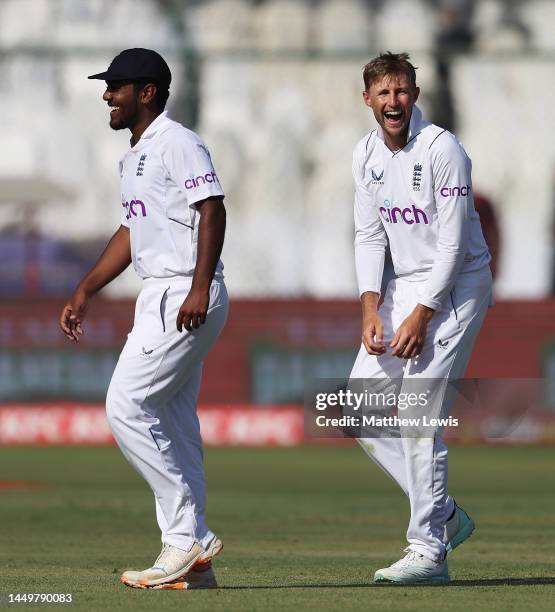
447	192
197	181
407	215
133	209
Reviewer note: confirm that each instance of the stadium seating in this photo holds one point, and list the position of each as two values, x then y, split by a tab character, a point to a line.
16	28
78	23
273	225
282	25
409	23
227	91
336	89
22	160
280	106
503	138
497	29
539	17
343	25
488	15
328	261
139	23
220	25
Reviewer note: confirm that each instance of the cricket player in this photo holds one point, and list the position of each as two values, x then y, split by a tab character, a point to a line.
172	229
414	191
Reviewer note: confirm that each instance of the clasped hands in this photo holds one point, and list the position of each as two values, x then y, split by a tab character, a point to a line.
408	339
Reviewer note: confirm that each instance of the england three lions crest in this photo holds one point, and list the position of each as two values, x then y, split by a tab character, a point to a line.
416	177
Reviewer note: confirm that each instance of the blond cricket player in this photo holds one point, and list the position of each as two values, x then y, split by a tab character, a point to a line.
414	192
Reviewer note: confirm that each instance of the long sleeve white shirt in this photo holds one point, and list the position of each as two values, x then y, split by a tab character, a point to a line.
419	199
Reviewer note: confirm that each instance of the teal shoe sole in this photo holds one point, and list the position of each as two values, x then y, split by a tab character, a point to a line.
440	579
464	532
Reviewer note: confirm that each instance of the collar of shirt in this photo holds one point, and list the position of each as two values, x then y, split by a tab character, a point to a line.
415	125
152	129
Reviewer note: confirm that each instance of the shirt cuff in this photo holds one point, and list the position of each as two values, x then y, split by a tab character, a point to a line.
430	303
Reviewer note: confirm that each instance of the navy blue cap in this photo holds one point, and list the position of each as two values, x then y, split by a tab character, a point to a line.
137	65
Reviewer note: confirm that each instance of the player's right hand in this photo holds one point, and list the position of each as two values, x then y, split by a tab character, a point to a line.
193	311
73	314
372	333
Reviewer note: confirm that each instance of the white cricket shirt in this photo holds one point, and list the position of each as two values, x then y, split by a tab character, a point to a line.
162	177
419	199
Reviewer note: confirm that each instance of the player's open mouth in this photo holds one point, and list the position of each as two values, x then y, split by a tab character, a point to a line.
113	109
393	118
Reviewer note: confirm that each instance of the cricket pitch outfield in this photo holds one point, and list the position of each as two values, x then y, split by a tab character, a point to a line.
304	528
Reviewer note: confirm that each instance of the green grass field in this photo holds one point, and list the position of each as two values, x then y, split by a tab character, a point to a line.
303	528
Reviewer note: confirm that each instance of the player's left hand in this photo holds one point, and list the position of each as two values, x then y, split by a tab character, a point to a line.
411	334
192	313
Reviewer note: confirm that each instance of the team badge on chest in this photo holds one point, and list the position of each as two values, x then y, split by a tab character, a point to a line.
416	176
141	165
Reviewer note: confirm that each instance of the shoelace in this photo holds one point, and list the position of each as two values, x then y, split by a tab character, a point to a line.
413	556
410	556
165	553
169	557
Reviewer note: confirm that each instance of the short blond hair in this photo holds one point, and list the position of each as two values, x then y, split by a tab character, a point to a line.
387	64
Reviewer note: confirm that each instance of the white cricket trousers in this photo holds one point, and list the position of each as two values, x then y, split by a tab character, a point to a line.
419	464
152	404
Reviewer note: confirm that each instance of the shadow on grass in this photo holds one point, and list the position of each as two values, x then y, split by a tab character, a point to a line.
454	583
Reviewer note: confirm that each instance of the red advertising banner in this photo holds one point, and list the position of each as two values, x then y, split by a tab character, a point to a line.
264	356
75	424
225	425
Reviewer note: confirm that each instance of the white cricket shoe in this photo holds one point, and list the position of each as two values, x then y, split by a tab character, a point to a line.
457	529
413	568
214	548
200	577
171	565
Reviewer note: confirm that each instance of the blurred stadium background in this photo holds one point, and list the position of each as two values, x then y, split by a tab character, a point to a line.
274	88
